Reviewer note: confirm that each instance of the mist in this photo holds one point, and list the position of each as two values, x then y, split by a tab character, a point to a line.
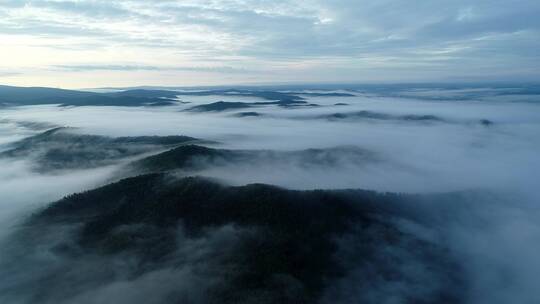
262	152
493	236
435	156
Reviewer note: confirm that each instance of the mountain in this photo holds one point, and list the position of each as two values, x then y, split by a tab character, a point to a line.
248	114
17	96
417	118
383	116
193	240
63	148
274	96
219	106
145	93
191	157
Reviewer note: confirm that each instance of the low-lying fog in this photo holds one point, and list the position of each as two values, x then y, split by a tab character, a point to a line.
453	153
469	145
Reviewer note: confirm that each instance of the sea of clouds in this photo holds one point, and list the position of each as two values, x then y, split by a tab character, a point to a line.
495	235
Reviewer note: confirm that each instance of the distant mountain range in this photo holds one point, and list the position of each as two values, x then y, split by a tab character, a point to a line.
18	96
272	95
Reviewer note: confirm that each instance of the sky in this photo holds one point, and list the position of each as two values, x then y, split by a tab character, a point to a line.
99	43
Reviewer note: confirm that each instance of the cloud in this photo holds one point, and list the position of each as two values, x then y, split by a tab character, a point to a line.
312	39
493	236
8	74
97	67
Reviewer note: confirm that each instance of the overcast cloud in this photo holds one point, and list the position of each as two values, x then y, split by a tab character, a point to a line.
244	41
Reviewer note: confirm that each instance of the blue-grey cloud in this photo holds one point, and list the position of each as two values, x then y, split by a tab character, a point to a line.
483	37
8	74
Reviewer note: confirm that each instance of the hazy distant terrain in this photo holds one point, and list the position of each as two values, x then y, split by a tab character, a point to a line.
276	194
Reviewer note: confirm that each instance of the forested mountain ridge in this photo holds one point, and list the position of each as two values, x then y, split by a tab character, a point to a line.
253	244
18	96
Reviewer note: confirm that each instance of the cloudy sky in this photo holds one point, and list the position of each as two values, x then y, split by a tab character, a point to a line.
93	43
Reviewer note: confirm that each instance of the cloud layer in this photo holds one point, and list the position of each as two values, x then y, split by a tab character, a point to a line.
492	232
128	42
